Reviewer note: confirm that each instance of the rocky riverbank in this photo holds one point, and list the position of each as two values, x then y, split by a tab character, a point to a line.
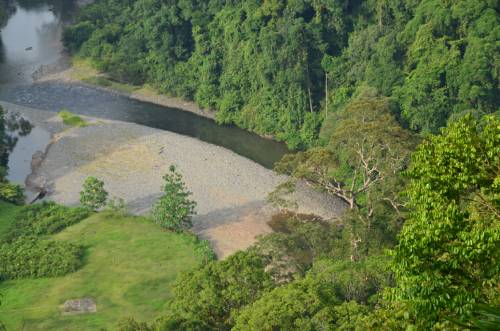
231	191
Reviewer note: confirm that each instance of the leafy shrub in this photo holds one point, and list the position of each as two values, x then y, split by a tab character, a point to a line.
44	219
29	257
12	193
209	298
71	119
202	247
93	196
174	210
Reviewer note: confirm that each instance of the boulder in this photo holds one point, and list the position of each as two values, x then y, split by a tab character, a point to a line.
79	306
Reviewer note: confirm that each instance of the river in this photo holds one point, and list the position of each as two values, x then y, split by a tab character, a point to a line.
31	39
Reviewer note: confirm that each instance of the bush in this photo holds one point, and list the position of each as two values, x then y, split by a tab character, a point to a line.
44	219
202	247
210	297
29	257
12	193
93	196
174	210
297	241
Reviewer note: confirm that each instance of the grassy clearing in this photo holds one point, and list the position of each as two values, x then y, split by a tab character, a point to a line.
83	71
7	213
71	119
129	267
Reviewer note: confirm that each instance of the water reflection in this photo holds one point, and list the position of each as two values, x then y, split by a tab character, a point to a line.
32	38
13	128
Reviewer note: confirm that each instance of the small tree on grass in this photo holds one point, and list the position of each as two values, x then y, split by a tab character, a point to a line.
93	196
174	209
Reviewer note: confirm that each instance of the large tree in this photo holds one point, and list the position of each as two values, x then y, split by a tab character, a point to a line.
448	254
361	165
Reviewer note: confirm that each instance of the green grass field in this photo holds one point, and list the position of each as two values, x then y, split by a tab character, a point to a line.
130	265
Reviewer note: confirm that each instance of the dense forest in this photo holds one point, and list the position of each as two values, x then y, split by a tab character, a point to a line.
393	106
364	89
281	67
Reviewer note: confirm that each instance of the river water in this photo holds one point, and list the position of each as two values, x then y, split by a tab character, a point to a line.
31	38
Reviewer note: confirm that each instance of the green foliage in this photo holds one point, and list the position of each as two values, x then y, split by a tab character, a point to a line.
355	73
258	64
392	316
484	318
174	210
29	257
12	193
210	297
93	196
447	257
75	35
450	62
299	240
265	65
436	59
71	119
202	247
43	219
361	165
315	302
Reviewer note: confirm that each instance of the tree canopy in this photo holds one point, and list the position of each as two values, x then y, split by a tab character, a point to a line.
447	256
280	67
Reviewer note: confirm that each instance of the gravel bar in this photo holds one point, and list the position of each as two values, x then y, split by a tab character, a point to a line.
131	159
